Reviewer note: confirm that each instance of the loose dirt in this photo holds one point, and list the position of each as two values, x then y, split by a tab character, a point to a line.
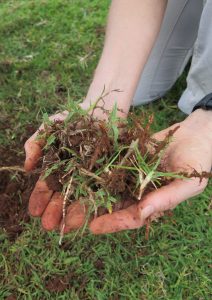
15	189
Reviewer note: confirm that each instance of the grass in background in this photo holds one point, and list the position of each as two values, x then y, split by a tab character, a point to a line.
48	51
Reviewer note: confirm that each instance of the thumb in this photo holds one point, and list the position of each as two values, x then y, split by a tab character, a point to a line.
33	147
169	196
154	203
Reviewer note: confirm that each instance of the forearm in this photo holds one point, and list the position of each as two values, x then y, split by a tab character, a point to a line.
131	32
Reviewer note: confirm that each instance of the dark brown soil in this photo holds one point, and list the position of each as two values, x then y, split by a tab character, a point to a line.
58	284
15	189
11	297
61	283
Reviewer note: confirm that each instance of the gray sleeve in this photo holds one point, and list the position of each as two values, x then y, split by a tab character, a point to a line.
199	80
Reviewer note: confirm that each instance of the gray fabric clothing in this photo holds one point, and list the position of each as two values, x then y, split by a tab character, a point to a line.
186	30
199	80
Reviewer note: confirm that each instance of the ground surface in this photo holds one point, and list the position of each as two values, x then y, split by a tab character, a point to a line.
48	50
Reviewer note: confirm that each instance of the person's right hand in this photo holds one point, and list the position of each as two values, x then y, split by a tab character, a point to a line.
43	202
48	204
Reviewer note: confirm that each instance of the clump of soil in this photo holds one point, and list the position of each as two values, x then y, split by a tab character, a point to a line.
58	284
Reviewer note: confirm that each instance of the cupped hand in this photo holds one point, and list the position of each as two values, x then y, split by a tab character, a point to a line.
191	148
43	202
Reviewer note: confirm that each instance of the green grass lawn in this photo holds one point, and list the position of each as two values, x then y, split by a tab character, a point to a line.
48	51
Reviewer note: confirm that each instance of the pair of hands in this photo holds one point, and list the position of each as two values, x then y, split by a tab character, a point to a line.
190	149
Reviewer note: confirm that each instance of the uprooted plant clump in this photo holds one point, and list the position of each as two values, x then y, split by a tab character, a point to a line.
107	165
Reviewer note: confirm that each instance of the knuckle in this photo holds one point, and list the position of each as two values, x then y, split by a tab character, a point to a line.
202	188
26	144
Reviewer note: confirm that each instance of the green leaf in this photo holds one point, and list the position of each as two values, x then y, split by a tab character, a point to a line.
115	133
109	208
46	119
113	114
70	260
51	139
100	160
50	170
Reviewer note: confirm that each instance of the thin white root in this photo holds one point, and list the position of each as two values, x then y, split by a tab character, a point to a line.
131	149
141	179
12	168
144	183
67	194
90	174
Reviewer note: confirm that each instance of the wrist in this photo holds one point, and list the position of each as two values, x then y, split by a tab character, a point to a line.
203	117
108	91
200	120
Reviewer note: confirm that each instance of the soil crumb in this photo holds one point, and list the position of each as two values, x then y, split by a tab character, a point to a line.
11	297
57	284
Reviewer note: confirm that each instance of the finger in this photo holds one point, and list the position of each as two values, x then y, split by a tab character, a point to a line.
161	135
75	217
33	146
39	198
77	213
33	150
53	213
128	218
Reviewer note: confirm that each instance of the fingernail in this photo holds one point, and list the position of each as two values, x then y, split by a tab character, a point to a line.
146	212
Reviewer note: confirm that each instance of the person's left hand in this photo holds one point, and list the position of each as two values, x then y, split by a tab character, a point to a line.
191	149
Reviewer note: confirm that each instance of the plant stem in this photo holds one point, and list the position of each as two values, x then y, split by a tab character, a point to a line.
132	147
90	174
144	183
